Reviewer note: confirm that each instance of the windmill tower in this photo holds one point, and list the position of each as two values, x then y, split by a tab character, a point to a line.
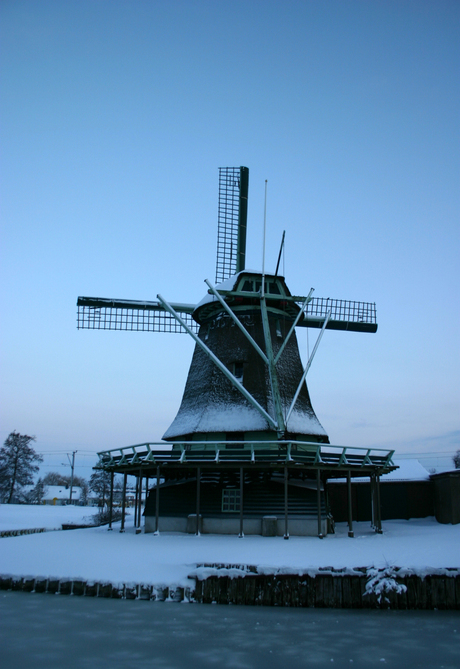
246	381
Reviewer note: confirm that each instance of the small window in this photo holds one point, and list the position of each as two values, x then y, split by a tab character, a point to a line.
273	288
238	369
236	440
230	500
279	334
247	286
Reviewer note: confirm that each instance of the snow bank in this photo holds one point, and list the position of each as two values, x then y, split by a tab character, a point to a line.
27	517
421	545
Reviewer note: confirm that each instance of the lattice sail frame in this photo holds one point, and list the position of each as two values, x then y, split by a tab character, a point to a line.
106	314
344	314
231	221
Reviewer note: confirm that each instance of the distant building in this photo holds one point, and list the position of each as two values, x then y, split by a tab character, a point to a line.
58	495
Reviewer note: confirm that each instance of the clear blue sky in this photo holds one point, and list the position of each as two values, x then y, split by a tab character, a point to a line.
115	117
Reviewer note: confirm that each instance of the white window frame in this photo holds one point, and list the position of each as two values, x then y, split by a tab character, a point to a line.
230	500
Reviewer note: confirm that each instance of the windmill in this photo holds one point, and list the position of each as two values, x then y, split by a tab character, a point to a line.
246	374
246	382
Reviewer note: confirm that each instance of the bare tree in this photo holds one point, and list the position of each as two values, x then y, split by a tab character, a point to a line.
35	496
54	478
456	459
17	465
99	483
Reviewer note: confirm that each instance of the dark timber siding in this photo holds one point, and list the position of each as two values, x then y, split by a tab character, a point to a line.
399	499
260	499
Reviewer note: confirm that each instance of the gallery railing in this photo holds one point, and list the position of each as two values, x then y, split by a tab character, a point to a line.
315	455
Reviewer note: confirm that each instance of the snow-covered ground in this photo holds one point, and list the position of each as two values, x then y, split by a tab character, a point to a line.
30	516
168	559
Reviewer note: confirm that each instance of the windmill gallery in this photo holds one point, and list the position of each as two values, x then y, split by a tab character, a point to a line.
245	452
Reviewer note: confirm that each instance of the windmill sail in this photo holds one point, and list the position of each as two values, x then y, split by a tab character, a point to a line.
99	313
232	221
344	315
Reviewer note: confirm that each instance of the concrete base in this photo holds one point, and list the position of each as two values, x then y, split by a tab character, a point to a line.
166	524
231	526
191	524
268	526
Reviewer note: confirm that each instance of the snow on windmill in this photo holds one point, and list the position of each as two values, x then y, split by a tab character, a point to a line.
245	398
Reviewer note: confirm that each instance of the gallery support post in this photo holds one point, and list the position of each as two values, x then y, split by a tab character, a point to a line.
198	481
157	501
350	506
112	475
286	502
123	503
318	501
241	534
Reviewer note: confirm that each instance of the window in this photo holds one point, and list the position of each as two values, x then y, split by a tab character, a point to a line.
273	288
237	438
238	368
279	334
230	500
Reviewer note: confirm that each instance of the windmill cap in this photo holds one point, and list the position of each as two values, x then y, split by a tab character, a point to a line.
241	291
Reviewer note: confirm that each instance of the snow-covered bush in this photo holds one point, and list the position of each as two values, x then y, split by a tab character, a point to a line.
103	516
382	581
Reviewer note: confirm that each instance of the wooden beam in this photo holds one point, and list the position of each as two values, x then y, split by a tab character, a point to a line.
379	510
241	534
318	500
350	506
135	502
198	480
123	503
112	474
157	501
139	503
286	505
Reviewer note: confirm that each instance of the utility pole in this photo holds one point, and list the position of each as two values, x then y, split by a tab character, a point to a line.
72	467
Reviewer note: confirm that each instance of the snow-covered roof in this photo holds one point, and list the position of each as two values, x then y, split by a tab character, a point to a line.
447	472
61	492
408	470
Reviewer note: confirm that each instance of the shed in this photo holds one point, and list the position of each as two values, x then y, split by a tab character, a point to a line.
447	496
406	492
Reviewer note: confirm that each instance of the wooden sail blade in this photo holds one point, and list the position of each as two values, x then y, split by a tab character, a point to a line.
345	315
98	313
231	221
